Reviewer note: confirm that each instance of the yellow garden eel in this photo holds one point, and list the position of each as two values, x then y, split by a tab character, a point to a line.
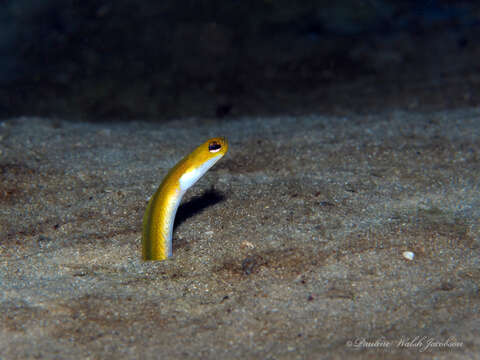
163	205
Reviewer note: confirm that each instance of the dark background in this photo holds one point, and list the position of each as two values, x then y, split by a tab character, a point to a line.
154	60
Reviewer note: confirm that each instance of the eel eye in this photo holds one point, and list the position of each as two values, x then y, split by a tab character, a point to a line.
214	147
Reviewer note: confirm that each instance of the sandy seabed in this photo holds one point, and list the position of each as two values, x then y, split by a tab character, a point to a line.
291	247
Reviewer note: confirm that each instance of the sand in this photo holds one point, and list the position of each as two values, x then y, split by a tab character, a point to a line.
291	247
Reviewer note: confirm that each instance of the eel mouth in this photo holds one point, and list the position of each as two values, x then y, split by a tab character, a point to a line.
214	147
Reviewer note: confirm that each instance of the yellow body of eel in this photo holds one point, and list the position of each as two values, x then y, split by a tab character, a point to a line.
162	207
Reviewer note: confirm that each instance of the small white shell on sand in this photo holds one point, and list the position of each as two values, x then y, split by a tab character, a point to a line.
408	255
247	244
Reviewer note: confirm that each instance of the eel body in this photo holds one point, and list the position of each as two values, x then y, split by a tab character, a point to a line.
162	207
